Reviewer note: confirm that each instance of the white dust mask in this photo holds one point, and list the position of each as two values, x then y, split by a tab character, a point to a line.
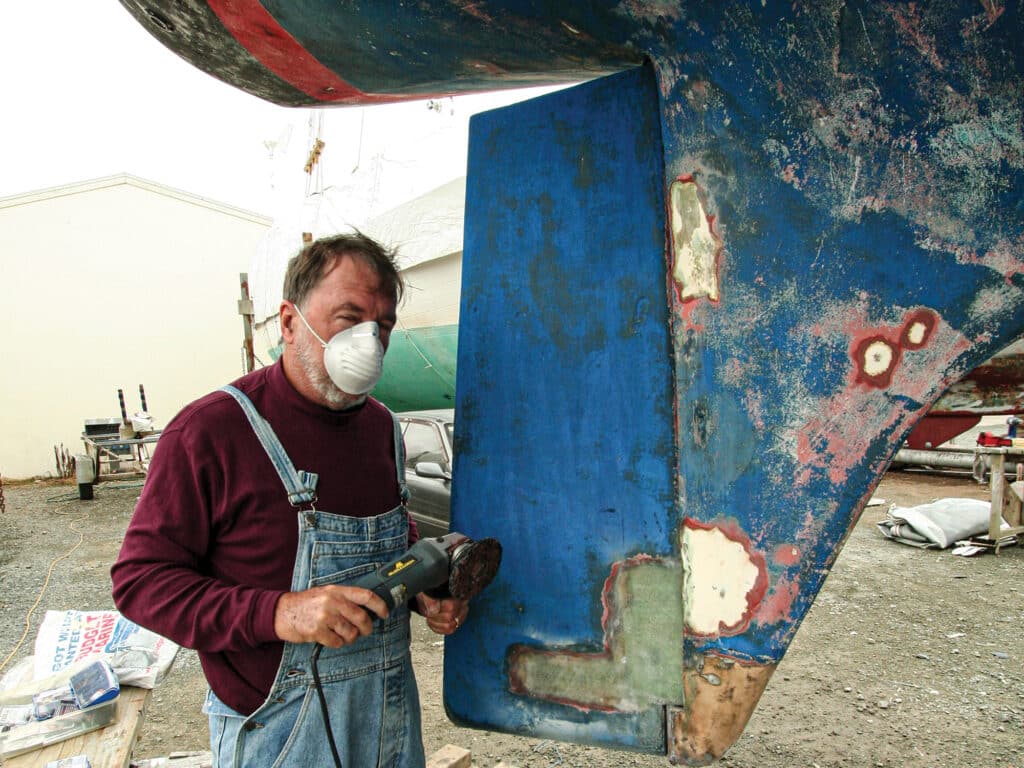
354	358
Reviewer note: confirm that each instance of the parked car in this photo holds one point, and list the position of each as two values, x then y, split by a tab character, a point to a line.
428	467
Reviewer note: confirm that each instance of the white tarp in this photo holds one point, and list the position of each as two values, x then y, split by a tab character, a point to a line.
939	524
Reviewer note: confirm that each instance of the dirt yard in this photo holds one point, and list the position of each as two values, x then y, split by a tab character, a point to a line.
908	658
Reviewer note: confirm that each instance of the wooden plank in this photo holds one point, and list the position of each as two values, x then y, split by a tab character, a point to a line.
1006	499
997	486
178	760
245	309
109	747
450	756
1013	505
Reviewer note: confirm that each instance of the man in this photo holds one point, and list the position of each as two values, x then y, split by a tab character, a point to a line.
262	501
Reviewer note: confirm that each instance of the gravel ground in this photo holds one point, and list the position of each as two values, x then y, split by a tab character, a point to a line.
908	658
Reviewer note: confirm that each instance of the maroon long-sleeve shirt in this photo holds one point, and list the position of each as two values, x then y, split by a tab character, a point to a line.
211	545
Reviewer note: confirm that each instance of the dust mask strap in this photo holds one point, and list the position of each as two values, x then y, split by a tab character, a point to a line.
306	323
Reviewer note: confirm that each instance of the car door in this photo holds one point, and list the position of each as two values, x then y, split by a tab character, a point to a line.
431	496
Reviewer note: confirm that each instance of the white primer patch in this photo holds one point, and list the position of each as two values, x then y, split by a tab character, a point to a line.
718	573
693	243
915	333
877	358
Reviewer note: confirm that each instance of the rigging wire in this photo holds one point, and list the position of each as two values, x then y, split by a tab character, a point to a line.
359	150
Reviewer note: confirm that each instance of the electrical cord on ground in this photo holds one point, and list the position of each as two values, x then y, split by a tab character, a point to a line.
323	705
42	590
62	498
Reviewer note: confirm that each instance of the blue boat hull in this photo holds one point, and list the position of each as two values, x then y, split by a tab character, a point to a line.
704	301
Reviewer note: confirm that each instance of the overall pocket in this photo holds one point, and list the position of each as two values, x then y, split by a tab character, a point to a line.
337	562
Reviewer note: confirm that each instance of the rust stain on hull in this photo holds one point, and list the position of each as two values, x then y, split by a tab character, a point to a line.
721	696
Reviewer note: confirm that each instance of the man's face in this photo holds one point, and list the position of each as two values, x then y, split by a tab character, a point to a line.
347	295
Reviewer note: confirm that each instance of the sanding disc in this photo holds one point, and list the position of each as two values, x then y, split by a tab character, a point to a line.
474	566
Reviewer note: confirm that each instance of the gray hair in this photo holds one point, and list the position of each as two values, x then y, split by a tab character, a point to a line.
308	267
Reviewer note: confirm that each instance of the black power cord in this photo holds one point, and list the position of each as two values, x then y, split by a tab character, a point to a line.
323	706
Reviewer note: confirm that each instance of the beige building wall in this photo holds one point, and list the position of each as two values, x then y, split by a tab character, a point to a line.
110	284
432	292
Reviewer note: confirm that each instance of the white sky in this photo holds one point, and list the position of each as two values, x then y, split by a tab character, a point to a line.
86	92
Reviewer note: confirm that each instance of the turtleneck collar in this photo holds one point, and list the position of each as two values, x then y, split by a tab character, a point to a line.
280	388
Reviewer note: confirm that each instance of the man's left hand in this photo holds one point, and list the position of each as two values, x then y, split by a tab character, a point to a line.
443	616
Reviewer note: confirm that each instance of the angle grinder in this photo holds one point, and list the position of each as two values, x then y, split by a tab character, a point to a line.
453	565
443	566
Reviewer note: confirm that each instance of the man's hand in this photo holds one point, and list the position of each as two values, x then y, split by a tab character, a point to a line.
443	616
332	615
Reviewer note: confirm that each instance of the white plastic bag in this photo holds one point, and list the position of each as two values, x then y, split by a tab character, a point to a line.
138	656
142	423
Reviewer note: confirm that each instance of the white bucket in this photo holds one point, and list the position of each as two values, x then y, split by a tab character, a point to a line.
85	475
85	468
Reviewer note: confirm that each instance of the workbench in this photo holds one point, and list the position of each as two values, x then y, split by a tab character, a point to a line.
109	747
119	455
1006	496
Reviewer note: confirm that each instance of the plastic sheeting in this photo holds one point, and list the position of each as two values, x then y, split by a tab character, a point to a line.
425	228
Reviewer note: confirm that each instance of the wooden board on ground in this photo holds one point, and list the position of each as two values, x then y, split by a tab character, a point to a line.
450	756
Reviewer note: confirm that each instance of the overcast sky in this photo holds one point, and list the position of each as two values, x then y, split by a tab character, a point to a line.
87	93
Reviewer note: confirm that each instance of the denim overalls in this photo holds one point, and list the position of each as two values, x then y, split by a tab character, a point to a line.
369	685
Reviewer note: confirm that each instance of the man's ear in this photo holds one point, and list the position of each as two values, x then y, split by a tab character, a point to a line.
287	316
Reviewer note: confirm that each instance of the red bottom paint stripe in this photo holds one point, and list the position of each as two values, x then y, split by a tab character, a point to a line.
260	34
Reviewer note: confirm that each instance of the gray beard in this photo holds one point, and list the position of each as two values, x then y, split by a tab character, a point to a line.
309	353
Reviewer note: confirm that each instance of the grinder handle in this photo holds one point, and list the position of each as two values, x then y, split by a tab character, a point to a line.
423	567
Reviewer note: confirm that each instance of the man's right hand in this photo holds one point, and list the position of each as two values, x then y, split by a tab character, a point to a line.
332	615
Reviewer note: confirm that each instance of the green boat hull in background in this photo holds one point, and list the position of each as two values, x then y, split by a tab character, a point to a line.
419	369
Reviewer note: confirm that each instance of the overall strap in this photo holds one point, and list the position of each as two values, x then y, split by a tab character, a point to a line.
301	485
400	460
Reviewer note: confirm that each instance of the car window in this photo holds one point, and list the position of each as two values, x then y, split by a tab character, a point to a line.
422	443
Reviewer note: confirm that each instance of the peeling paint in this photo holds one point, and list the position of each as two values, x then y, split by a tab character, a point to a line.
830	439
875	358
695	246
878	352
640	664
723	580
787	555
918	329
777	605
